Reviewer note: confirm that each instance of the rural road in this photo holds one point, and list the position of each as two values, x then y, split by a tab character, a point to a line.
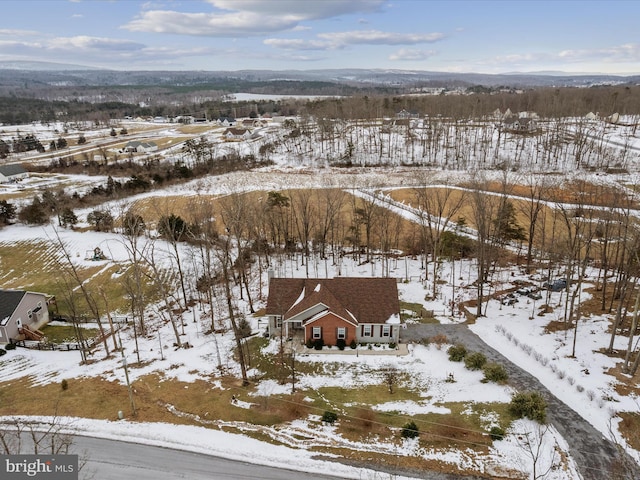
594	455
116	460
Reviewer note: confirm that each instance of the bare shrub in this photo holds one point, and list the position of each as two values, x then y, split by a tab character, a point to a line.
591	394
561	374
439	340
580	388
571	380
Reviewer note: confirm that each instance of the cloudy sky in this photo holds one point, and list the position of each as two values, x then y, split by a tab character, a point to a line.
461	36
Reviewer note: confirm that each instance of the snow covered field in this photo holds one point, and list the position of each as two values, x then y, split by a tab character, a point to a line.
517	331
428	367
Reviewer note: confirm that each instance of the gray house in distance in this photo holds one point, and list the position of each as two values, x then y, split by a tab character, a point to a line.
12	173
22	314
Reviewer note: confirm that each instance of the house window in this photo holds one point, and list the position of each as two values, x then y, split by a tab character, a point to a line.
366	330
342	333
278	321
317	332
386	331
29	314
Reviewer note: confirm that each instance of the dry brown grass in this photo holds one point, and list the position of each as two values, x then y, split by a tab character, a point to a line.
363	423
190	207
454	431
625	386
197	129
551	226
630	428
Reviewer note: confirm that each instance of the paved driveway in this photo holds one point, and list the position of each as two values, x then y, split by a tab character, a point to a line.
595	455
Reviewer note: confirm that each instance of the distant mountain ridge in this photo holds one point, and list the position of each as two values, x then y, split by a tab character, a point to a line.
57	74
42	66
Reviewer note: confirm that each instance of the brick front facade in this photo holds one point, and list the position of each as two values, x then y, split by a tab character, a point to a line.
329	324
366	310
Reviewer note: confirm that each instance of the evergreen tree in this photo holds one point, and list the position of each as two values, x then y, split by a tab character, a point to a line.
34	213
172	227
506	227
68	218
7	212
101	220
4	149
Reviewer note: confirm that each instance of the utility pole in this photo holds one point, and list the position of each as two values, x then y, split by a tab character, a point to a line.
126	375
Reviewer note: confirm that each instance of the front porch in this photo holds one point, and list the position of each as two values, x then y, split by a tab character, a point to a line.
401	350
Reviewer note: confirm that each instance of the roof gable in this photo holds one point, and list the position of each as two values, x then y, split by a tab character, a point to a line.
9	301
365	300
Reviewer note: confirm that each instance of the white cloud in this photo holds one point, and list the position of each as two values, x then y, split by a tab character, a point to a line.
626	53
339	40
248	17
298	44
83	42
9	32
376	37
412	54
629	52
307	10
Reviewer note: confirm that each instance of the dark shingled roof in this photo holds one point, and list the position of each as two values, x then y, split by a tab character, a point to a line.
369	300
12	169
9	300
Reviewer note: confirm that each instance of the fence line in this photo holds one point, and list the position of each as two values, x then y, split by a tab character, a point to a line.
66	346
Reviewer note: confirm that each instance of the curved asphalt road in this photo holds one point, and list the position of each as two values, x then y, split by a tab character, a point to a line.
116	460
595	456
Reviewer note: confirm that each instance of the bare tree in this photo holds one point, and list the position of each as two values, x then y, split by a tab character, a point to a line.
330	202
70	269
437	208
224	255
484	207
543	459
537	188
390	377
305	214
160	280
205	239
236	215
39	437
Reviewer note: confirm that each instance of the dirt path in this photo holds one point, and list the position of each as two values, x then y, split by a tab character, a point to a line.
595	456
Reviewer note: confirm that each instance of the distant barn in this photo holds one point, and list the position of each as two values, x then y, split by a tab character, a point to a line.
12	173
